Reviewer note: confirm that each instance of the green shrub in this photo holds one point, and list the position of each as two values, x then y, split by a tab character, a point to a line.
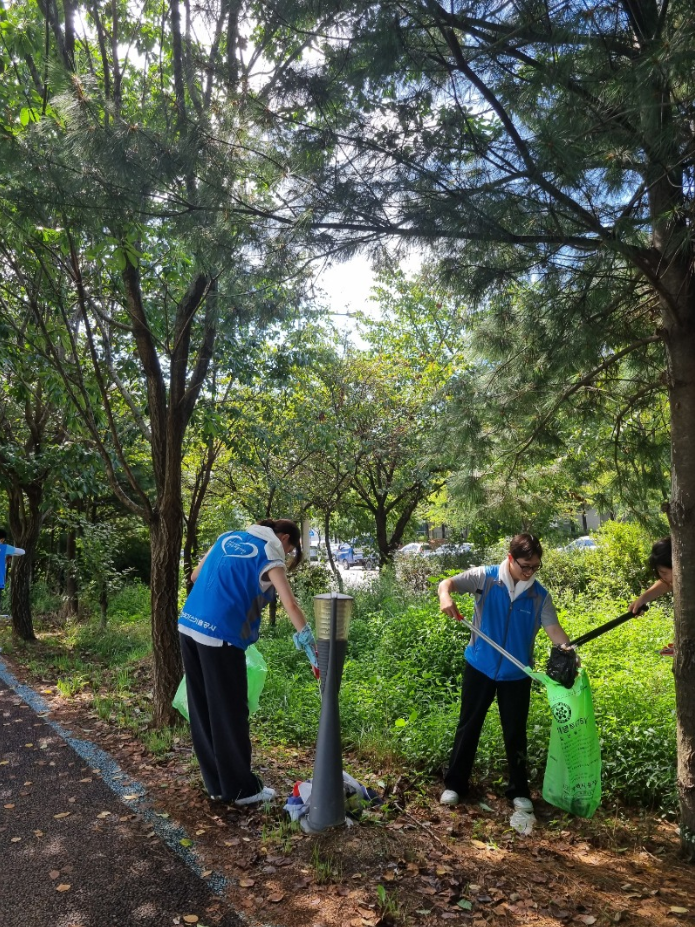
44	600
308	580
617	567
131	604
621	567
415	572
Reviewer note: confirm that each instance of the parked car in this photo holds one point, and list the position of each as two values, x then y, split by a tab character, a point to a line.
348	556
582	543
416	549
448	550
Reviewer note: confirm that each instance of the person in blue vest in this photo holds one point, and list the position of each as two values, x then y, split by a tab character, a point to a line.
6	550
510	608
239	575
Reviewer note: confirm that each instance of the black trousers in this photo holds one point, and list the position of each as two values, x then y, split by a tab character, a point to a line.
218	707
477	694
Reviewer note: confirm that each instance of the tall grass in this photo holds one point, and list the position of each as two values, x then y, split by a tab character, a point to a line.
79	655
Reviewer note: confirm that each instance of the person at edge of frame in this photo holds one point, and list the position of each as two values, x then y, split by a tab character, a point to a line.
6	550
661	565
510	608
240	574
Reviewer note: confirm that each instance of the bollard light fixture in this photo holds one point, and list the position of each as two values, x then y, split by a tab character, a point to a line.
332	613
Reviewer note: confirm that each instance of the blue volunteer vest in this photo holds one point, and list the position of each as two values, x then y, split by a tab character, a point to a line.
3	562
227	598
513	625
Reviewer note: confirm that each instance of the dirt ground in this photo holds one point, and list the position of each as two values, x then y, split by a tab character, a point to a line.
410	861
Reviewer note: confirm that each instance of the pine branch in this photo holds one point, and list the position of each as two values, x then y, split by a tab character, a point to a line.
582	382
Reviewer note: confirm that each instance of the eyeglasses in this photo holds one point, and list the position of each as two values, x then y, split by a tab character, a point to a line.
527	567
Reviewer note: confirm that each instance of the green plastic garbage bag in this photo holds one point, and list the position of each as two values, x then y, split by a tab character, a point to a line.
256	671
573	771
180	702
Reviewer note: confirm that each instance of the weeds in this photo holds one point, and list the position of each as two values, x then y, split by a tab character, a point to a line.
400	691
159	743
326	869
69	686
281	835
388	906
104	707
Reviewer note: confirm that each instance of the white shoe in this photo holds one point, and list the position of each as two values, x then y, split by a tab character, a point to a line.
523	804
449	797
264	795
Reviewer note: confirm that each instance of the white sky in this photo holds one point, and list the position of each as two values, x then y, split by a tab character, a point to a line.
347	287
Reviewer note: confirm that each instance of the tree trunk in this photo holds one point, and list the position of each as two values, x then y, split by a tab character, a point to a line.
20	597
681	512
202	481
273	613
103	606
306	541
382	538
71	602
25	524
166	532
329	552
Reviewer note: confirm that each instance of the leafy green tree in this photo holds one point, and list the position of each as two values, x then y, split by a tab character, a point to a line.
388	411
137	178
415	349
42	463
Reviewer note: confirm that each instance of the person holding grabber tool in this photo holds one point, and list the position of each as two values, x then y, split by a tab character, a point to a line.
661	564
510	608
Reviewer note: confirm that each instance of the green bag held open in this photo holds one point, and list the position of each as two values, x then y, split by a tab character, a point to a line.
573	771
256	671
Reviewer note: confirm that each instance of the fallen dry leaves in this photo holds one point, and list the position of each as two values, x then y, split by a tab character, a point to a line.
413	862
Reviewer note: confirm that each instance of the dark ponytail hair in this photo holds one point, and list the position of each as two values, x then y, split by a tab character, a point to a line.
661	555
285	526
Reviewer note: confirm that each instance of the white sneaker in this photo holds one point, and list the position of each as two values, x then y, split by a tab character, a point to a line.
523	804
264	795
449	797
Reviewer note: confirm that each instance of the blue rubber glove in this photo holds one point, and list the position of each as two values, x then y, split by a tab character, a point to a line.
304	640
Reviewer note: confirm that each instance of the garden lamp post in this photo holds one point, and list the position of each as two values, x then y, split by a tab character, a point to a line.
332	612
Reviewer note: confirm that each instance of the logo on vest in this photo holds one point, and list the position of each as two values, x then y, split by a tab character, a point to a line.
234	546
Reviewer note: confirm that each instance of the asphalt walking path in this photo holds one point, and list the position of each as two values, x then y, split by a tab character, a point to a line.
80	845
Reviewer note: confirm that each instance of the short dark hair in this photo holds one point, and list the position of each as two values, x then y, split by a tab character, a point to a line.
661	555
525	545
3	534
